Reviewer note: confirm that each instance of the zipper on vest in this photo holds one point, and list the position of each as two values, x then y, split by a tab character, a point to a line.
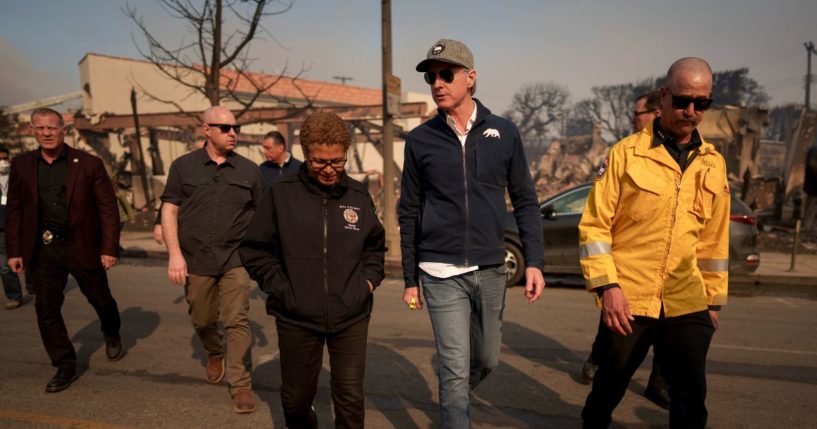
467	211
326	265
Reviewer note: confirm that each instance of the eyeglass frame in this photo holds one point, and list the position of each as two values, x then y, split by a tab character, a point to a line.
335	164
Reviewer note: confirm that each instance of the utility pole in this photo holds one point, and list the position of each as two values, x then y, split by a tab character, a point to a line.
388	203
809	50
343	79
137	158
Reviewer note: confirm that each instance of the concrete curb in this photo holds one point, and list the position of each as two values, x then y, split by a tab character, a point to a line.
759	284
746	284
137	252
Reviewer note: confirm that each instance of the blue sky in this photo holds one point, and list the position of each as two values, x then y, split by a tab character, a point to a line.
576	43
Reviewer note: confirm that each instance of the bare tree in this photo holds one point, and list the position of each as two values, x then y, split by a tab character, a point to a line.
213	65
536	109
610	108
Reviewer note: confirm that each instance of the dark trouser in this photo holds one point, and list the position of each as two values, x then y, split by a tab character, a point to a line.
682	342
602	344
49	271
301	361
11	282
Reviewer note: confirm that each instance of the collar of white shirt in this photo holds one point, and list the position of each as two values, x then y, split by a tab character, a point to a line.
453	124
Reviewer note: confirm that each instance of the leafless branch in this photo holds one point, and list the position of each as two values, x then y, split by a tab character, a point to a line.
201	64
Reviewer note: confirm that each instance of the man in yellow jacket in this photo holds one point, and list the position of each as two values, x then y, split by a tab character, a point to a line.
654	243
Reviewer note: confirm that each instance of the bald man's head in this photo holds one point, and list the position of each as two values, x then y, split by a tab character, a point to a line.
689	68
686	95
220	129
216	114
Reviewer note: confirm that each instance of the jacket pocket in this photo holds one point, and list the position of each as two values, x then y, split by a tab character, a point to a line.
278	291
356	296
491	162
708	185
648	196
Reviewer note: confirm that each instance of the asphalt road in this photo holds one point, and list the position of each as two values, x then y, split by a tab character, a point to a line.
762	366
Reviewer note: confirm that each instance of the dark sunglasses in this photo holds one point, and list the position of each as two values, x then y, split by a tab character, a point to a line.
638	113
682	102
447	75
225	128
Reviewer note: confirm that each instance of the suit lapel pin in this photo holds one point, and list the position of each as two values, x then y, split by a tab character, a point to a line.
76	160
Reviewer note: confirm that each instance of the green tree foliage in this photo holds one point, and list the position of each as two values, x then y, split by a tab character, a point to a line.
736	88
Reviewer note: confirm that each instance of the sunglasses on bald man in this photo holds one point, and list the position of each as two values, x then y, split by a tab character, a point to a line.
682	102
225	128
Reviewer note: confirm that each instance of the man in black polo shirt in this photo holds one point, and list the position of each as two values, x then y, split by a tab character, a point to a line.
209	200
62	219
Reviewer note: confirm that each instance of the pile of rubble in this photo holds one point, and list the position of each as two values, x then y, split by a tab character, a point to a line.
569	162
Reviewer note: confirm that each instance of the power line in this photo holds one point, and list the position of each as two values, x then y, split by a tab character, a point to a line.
789	81
779	55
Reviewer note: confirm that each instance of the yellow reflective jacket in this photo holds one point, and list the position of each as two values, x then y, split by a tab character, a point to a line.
663	236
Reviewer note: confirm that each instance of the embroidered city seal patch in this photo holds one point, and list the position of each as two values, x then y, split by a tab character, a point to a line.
350	215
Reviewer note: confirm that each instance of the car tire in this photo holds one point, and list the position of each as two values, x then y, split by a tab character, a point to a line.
514	264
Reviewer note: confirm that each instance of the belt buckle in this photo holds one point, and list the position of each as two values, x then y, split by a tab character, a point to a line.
47	237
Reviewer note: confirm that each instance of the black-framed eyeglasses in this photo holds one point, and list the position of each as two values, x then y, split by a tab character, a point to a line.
447	75
225	128
320	164
682	102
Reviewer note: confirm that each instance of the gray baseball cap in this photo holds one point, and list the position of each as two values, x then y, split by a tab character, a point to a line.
448	51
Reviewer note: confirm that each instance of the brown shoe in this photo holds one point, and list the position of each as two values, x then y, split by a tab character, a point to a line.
14	303
243	402
215	369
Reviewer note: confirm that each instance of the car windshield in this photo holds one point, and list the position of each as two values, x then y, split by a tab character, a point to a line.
571	201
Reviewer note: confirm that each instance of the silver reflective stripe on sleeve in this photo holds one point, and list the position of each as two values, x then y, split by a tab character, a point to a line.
595	248
714	265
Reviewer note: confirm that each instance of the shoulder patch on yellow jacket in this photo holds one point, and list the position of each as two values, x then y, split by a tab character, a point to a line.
602	169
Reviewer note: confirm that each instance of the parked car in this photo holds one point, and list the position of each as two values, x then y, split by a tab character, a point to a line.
560	229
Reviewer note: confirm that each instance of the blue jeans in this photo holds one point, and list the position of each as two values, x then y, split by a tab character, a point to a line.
11	282
466	315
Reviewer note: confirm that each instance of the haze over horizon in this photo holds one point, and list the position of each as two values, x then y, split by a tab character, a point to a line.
578	44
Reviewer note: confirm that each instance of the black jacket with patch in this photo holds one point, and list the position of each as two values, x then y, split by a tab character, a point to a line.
312	248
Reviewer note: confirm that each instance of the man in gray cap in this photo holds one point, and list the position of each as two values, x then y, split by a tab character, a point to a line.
452	210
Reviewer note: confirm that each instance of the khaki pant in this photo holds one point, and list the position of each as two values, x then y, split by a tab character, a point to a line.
228	295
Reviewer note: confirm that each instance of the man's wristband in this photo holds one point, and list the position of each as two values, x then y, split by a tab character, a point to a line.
600	290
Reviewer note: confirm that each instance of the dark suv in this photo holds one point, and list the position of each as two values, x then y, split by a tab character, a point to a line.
560	228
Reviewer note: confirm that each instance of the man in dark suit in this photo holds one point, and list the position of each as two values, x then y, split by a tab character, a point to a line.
11	281
62	219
